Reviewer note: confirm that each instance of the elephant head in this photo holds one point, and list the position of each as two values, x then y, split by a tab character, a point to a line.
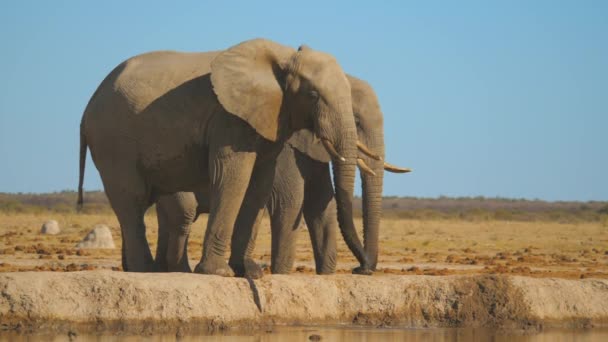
278	90
370	158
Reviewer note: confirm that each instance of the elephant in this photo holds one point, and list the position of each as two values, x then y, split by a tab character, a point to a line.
165	122
302	187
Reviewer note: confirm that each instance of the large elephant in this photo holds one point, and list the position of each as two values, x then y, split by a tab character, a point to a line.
167	122
302	187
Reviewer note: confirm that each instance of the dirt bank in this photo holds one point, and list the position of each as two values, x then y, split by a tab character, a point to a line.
146	303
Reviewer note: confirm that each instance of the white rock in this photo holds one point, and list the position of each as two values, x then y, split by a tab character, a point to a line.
50	227
99	237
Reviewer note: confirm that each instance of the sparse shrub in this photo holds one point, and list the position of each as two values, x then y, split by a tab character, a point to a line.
503	215
58	202
13	206
604	220
62	208
409	208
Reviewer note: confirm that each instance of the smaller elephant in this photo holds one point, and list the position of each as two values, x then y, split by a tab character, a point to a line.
302	187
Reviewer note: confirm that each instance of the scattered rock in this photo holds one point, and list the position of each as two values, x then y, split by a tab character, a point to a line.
81	252
99	237
315	337
50	227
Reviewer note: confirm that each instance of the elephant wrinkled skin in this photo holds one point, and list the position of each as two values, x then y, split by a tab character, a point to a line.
167	122
302	187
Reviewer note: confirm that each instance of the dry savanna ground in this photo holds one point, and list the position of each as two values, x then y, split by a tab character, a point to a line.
408	246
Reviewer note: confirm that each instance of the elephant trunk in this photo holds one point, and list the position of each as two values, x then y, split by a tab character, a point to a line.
335	127
344	179
372	197
344	168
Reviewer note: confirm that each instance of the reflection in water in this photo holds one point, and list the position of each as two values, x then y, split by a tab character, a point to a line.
344	334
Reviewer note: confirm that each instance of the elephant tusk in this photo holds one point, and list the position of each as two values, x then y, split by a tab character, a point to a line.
367	151
396	169
332	150
363	167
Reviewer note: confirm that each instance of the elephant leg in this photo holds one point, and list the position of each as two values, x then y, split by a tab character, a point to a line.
284	225
185	264
229	178
123	256
250	214
177	254
321	216
182	211
175	213
285	211
130	207
162	242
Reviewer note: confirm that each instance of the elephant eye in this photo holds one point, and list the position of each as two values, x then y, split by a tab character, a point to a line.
357	120
313	94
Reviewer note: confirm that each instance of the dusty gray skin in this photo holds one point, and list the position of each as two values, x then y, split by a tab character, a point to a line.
166	122
302	187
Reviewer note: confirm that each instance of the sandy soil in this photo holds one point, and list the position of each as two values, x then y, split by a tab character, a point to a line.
408	247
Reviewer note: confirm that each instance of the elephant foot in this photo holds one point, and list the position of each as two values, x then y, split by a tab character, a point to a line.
361	270
215	266
327	272
326	268
373	266
146	268
180	268
249	269
185	269
280	270
161	267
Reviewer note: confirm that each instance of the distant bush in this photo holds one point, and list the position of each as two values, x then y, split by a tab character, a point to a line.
12	206
59	202
485	209
442	208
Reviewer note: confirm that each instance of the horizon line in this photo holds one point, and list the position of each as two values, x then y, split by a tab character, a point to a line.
438	197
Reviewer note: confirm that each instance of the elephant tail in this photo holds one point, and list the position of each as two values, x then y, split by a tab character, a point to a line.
83	159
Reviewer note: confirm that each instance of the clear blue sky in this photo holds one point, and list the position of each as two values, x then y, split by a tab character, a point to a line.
489	98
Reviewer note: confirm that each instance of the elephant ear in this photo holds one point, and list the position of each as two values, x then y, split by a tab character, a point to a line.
305	141
247	81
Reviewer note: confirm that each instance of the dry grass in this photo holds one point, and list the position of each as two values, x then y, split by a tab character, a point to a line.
408	246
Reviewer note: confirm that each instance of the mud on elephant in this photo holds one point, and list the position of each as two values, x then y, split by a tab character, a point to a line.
167	122
302	187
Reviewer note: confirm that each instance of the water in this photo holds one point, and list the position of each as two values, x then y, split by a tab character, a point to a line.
344	334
